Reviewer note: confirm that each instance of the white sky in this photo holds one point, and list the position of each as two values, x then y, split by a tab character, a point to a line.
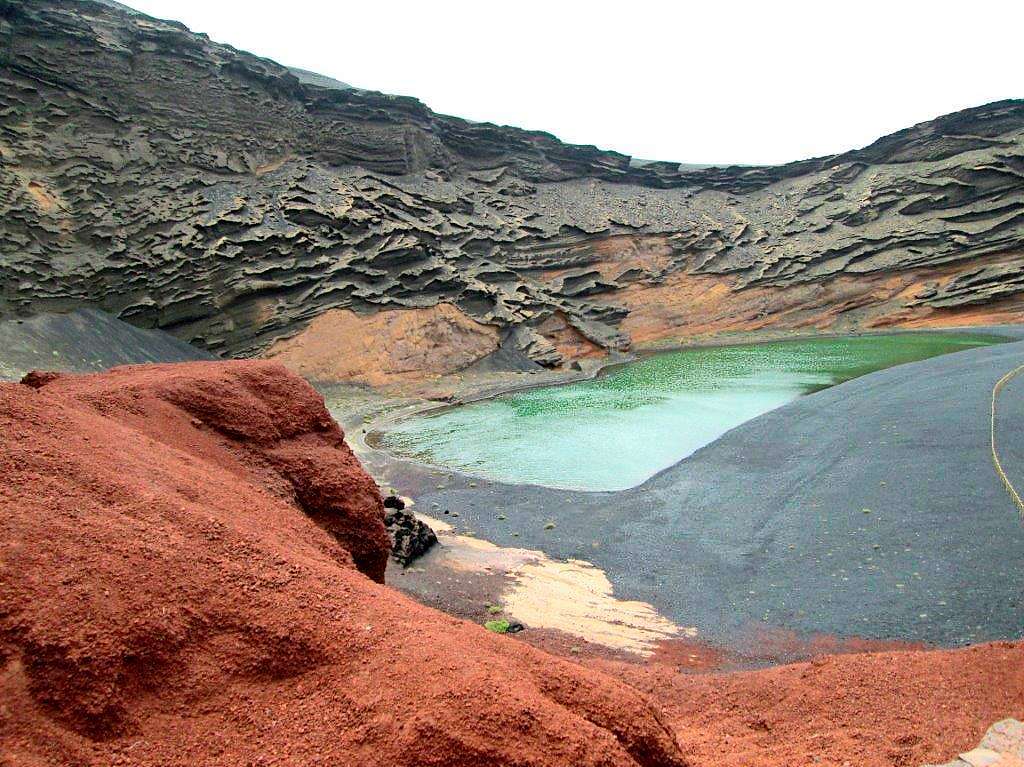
718	81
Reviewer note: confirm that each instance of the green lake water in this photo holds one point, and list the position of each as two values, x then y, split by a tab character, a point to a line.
614	432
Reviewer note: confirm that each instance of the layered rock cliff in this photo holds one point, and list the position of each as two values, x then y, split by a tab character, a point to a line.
184	185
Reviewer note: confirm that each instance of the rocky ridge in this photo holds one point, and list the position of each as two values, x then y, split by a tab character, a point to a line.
184	185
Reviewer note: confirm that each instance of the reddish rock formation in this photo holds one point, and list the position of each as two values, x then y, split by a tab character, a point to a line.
389	346
184	562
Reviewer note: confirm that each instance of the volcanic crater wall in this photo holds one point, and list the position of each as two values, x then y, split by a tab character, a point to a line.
184	185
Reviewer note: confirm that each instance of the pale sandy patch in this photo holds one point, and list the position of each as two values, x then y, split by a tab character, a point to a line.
574	596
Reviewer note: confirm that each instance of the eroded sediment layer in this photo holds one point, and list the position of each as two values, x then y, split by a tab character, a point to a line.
182	184
386	346
869	710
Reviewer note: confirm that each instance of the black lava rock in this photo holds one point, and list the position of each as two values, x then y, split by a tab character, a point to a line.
410	538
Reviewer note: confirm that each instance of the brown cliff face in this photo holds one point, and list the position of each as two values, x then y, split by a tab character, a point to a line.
387	346
185	559
184	185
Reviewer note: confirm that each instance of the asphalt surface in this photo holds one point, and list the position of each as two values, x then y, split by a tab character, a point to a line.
870	509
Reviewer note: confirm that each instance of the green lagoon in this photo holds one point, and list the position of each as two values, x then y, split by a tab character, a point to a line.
618	430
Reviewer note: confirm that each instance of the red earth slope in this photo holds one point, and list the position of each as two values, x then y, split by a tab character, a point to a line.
188	557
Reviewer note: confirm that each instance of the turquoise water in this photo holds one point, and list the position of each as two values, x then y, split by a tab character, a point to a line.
614	432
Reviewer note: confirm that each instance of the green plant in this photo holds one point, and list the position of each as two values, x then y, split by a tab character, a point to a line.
494	609
498	627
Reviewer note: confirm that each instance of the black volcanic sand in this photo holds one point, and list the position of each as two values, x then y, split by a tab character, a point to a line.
85	340
870	509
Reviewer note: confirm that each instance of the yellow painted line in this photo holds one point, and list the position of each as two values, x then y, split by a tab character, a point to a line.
1014	495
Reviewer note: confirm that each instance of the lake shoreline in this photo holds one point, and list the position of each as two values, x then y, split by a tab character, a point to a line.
362	435
609	529
655	409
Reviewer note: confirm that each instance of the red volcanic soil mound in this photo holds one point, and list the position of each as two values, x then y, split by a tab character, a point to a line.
188	557
886	709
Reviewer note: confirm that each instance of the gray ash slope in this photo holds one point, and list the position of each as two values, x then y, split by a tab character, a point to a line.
184	185
84	341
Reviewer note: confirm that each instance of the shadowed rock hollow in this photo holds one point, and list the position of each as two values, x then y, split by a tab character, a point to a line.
188	556
181	184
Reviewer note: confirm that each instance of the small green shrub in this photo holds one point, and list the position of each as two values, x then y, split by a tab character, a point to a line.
498	627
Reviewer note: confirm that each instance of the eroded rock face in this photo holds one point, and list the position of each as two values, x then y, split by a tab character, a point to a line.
387	346
189	554
181	184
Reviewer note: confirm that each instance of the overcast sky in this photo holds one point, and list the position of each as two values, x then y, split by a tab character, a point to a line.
718	81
